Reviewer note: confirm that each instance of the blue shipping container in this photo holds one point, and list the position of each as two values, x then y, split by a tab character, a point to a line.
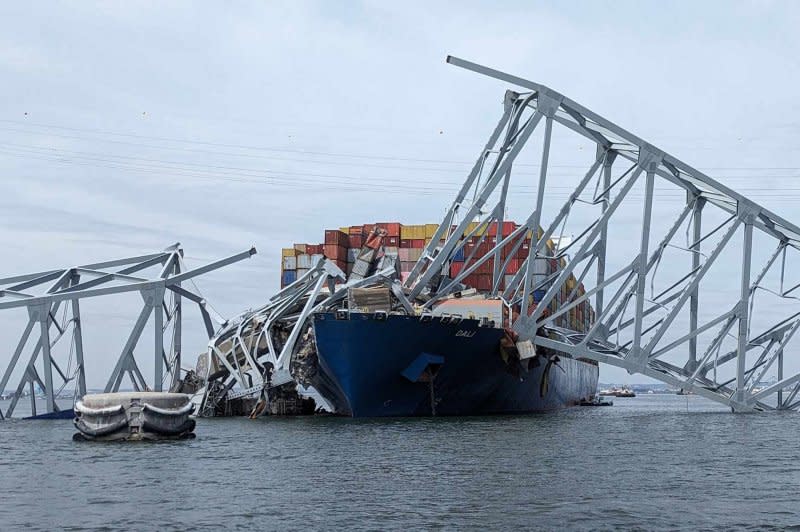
289	276
459	255
538	295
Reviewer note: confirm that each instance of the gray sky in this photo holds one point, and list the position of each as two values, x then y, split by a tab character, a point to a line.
127	126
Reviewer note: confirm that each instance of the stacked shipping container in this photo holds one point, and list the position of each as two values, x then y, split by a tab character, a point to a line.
407	242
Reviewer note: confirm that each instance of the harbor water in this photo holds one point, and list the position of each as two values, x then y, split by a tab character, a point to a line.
650	462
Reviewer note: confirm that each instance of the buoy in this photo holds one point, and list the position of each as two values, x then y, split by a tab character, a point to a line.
134	416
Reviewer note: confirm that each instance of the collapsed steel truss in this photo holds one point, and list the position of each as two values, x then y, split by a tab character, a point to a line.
633	330
70	285
252	352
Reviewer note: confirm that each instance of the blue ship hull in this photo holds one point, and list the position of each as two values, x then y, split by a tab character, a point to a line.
370	367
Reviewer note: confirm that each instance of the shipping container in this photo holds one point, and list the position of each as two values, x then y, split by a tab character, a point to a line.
430	230
392	228
484	282
337	253
361	268
334	237
288	277
412	232
508	228
288	252
418	243
355	241
391	251
303	261
352	254
455	269
458	256
289	263
414	254
392	241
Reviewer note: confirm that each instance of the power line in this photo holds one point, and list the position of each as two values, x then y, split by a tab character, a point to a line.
299	151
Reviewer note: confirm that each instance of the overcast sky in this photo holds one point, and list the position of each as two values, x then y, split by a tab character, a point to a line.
128	126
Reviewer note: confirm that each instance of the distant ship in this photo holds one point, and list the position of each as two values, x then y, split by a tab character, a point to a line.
618	392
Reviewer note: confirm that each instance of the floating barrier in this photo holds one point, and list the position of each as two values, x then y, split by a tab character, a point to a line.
134	416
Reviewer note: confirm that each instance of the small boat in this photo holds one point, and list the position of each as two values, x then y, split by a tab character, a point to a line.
134	416
597	401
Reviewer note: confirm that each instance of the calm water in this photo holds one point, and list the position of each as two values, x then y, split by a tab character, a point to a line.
653	462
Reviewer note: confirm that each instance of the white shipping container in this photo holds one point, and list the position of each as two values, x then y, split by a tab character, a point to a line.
315	258
361	267
540	268
301	272
391	251
405	255
289	263
352	254
304	261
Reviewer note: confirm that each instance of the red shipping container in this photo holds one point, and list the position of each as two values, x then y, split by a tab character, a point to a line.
484	282
508	249
406	243
418	243
374	241
513	266
355	241
393	241
356	230
391	228
508	228
455	269
337	253
368	228
334	237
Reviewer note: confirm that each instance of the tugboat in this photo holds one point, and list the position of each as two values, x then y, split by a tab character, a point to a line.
134	416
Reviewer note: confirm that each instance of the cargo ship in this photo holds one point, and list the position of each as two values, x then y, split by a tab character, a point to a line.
370	356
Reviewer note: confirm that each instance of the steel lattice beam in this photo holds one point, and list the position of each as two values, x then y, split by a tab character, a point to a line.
67	287
633	329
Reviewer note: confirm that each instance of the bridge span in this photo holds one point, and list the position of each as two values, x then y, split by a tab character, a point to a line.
692	283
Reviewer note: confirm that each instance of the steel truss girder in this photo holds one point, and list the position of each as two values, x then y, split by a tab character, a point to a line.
244	347
651	340
67	287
